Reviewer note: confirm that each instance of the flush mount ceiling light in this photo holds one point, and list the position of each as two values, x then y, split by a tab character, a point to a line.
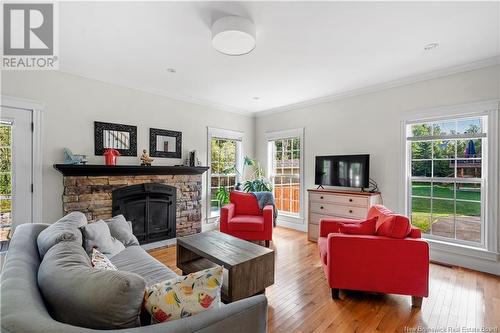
431	46
233	35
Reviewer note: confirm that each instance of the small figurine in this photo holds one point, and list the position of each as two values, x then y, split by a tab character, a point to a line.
110	156
70	158
146	160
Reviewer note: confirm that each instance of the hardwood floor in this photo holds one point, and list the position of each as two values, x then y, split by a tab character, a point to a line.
300	299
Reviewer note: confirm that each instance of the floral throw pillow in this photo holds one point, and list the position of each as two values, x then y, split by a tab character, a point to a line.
100	261
184	296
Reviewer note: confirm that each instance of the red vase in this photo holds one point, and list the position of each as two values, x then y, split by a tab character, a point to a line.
110	156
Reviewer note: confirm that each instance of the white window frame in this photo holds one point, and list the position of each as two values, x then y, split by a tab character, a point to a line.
219	133
489	249
284	218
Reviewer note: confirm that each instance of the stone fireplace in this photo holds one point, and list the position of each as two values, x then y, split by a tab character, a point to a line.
90	188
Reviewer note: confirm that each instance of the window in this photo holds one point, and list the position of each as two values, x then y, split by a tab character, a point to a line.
447	174
285	170
5	179
225	157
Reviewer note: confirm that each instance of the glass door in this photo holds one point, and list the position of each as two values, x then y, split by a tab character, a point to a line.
16	169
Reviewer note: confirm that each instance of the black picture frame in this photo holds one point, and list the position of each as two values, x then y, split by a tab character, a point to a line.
100	127
153	152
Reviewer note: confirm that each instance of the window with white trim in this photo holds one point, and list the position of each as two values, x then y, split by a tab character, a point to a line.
446	174
285	165
225	160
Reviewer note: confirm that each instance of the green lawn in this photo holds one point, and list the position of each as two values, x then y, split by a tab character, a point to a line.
421	207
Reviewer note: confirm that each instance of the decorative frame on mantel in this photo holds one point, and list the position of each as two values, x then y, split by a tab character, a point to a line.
100	127
153	149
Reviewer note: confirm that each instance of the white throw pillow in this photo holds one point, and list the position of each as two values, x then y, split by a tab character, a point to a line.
100	261
184	296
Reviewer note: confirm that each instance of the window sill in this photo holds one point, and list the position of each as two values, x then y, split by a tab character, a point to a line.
461	249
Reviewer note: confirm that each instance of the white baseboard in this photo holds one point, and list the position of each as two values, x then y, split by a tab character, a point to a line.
291	225
155	245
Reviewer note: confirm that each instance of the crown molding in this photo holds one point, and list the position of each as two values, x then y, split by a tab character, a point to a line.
315	101
493	61
177	97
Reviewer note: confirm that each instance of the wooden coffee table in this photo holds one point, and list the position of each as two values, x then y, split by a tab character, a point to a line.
248	267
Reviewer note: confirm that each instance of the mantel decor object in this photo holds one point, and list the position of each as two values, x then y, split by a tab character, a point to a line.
165	143
110	156
122	138
70	158
145	159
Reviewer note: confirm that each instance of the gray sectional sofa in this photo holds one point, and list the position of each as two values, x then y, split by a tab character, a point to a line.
24	310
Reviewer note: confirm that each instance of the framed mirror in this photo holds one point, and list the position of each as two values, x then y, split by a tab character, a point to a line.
117	136
165	143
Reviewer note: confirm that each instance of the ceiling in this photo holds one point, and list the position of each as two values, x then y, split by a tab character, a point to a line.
305	50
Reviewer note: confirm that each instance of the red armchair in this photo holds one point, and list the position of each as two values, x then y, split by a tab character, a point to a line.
375	263
244	219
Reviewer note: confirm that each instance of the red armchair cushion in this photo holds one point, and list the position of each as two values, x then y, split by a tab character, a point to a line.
363	228
378	211
246	223
245	203
394	226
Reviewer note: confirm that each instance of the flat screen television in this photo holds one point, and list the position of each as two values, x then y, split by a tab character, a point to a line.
343	170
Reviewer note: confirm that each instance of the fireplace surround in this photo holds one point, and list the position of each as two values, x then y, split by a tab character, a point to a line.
89	189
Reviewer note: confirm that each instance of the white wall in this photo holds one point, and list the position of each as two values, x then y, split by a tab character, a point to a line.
73	103
371	123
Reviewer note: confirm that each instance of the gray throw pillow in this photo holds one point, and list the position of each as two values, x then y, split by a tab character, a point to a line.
121	229
80	295
97	235
65	229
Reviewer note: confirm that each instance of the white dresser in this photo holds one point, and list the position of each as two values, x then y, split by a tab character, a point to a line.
337	204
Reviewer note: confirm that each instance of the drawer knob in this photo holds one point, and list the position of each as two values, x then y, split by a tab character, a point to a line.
350	211
350	199
321	207
321	197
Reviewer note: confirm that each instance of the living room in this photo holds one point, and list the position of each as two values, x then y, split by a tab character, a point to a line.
250	166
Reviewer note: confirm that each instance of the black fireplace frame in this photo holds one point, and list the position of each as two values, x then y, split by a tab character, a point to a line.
148	192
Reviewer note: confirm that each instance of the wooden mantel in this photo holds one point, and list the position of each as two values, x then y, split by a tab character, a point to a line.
126	170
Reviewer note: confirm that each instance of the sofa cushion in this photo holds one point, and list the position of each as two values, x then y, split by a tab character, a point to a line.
80	295
134	259
65	229
323	249
100	261
394	226
366	227
184	296
244	203
121	229
246	223
98	235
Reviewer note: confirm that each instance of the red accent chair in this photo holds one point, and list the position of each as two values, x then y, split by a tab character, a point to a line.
243	218
376	263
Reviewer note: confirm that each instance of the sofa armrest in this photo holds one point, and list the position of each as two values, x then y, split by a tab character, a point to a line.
226	214
328	226
378	263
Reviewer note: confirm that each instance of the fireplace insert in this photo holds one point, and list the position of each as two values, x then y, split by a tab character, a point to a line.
151	207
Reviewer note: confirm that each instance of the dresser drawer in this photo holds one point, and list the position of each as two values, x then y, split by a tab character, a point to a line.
350	200
315	218
313	232
339	210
